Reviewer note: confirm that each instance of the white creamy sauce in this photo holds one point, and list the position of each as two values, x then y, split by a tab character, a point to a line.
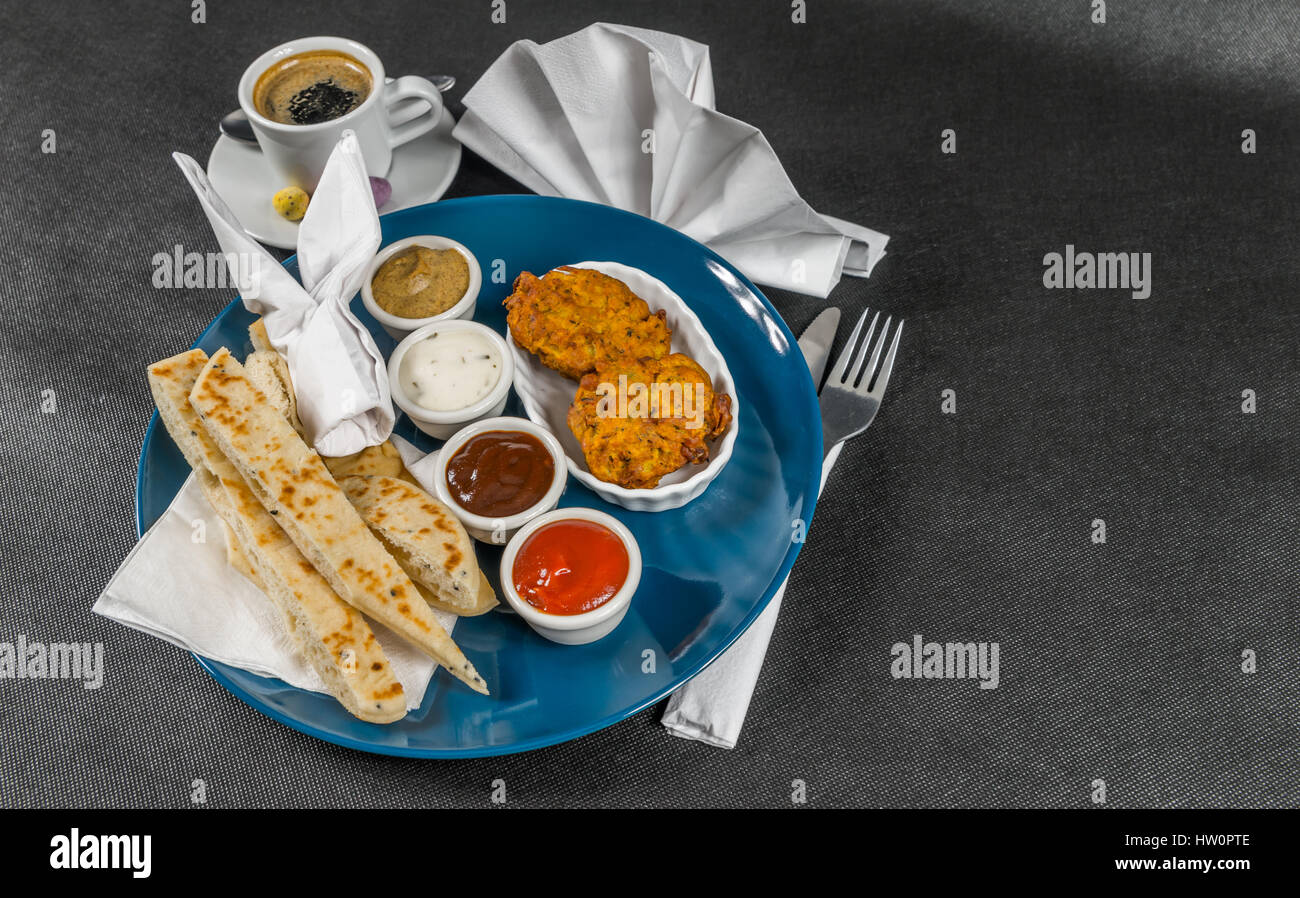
450	370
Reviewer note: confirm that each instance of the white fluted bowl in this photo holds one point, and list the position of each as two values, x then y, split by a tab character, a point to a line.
546	396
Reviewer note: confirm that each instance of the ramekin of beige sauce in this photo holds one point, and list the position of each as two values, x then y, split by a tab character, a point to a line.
418	274
420	282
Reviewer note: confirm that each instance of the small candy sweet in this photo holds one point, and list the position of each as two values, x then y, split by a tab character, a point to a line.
382	190
291	203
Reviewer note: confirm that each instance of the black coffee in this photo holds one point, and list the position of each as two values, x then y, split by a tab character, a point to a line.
312	87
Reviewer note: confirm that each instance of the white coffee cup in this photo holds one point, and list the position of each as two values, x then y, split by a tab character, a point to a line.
390	116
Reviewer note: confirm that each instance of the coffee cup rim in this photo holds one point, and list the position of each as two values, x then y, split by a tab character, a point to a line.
364	54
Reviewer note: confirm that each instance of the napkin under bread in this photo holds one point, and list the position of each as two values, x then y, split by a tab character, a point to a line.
625	116
711	706
338	373
177	585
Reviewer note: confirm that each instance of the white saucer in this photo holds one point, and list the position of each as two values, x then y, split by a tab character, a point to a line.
421	172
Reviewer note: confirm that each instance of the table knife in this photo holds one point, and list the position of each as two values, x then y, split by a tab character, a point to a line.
815	343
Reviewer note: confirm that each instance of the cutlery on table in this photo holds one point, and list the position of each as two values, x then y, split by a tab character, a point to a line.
235	124
816	340
851	397
711	707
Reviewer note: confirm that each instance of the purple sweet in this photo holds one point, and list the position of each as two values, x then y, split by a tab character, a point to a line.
382	190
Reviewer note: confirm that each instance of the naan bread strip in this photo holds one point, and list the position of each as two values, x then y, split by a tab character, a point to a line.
258	336
485	601
264	354
426	546
270	374
292	482
382	460
422	534
236	558
333	636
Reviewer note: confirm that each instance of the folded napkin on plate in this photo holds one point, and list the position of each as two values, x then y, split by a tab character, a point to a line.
179	587
338	373
625	116
711	706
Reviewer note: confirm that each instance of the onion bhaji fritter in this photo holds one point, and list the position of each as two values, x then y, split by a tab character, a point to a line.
576	320
636	445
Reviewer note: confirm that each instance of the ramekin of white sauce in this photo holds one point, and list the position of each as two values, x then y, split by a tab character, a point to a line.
450	373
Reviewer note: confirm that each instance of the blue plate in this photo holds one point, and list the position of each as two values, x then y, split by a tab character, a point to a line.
710	567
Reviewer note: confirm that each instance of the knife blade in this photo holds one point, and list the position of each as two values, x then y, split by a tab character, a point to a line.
815	343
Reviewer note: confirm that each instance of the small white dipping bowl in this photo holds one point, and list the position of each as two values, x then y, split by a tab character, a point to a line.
441	425
498	531
573	629
397	326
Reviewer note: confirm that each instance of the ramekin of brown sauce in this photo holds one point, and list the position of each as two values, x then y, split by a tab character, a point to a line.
418	280
498	474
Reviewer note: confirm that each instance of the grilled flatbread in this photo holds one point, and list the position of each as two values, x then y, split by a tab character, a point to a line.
332	635
484	600
383	459
235	556
294	485
258	336
270	374
425	537
379	461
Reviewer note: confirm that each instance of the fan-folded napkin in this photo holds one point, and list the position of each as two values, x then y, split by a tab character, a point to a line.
625	116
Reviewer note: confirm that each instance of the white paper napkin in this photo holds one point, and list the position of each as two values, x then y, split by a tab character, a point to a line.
418	465
625	116
338	373
177	585
711	706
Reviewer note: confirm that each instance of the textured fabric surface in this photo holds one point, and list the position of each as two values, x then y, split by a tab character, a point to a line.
1119	662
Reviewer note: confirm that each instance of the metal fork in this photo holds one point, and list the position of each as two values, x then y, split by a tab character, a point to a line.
853	391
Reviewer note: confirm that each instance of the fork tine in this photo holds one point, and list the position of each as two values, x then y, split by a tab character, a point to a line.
882	379
842	363
862	354
875	357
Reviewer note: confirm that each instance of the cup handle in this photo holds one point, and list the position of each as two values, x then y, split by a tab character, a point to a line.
406	119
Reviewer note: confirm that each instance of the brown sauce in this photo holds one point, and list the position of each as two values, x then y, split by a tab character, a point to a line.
500	473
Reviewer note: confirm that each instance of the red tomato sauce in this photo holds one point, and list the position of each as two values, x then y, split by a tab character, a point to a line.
570	567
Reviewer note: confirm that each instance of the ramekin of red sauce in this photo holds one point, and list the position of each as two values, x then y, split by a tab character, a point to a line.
498	474
571	573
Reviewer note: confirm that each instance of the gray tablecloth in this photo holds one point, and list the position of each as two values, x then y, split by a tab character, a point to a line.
1119	661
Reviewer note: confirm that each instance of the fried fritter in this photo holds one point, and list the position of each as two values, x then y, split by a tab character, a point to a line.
577	320
633	441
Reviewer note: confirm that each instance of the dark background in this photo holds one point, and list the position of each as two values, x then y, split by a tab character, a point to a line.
1119	661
